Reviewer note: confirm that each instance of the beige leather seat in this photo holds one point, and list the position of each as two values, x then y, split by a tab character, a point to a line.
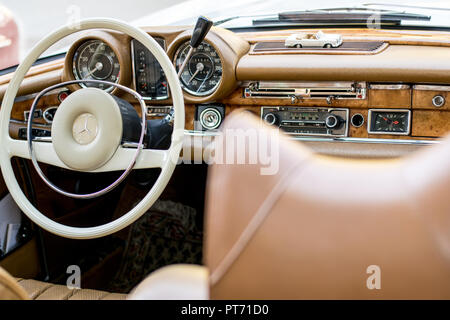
312	229
179	282
21	289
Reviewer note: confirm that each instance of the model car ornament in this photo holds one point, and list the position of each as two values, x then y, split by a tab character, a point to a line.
318	39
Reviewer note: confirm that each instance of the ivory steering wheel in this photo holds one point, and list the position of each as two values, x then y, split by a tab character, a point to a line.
104	151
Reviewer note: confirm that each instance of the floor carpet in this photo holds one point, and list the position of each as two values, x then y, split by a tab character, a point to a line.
166	234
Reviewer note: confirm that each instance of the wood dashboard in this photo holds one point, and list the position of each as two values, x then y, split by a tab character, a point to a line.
406	72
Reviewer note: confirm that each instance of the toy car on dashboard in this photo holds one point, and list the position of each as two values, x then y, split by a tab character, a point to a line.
319	39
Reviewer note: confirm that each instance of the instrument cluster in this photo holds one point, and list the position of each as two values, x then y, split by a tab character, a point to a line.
95	60
148	76
203	71
104	56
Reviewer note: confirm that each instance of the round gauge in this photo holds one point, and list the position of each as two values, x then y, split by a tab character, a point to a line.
203	72
95	60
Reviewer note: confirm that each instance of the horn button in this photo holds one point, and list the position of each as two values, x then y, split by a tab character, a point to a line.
87	129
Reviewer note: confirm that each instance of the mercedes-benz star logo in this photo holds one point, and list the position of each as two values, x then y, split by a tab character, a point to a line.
85	128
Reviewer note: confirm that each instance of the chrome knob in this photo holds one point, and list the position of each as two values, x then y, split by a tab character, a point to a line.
331	121
438	101
210	118
270	118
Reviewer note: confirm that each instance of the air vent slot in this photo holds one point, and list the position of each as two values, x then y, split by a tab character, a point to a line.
303	90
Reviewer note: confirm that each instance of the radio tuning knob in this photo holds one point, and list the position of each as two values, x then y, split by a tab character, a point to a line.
270	118
331	121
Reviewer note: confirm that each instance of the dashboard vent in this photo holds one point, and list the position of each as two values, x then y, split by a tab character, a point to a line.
303	90
361	47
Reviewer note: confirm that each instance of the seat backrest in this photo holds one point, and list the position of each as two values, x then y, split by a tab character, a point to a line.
327	228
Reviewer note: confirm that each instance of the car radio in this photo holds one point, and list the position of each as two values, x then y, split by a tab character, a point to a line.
308	121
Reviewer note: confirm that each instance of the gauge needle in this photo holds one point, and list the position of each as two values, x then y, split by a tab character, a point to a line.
200	67
98	67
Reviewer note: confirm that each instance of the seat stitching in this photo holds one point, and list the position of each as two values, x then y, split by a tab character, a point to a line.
101	297
40	292
71	293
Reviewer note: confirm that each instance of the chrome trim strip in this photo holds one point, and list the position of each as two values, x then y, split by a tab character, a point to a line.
370	140
369	122
430	87
156	114
299	84
194	133
389	86
305	90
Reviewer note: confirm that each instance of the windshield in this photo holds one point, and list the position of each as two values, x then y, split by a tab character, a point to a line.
23	23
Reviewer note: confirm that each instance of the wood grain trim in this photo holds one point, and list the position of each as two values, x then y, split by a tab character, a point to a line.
36	70
20	107
429	123
422	99
385	98
426	125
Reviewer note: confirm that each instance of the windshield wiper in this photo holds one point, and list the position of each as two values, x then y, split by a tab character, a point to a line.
359	16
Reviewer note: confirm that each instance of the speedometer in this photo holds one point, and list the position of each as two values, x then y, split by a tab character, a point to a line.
95	60
203	72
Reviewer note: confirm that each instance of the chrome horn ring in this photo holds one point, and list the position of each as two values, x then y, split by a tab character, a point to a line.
127	171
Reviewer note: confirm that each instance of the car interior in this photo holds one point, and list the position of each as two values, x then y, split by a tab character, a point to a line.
117	180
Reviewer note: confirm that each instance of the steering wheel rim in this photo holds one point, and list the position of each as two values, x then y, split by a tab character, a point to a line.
10	147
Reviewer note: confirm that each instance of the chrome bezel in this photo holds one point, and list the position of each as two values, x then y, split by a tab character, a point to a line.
369	122
362	123
75	70
44	115
133	68
196	94
438	96
219	116
345	134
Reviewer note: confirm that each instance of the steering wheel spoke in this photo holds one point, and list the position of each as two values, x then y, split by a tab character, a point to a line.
148	158
45	153
109	156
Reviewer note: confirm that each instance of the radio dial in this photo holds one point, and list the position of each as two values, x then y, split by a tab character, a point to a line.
270	118
331	121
